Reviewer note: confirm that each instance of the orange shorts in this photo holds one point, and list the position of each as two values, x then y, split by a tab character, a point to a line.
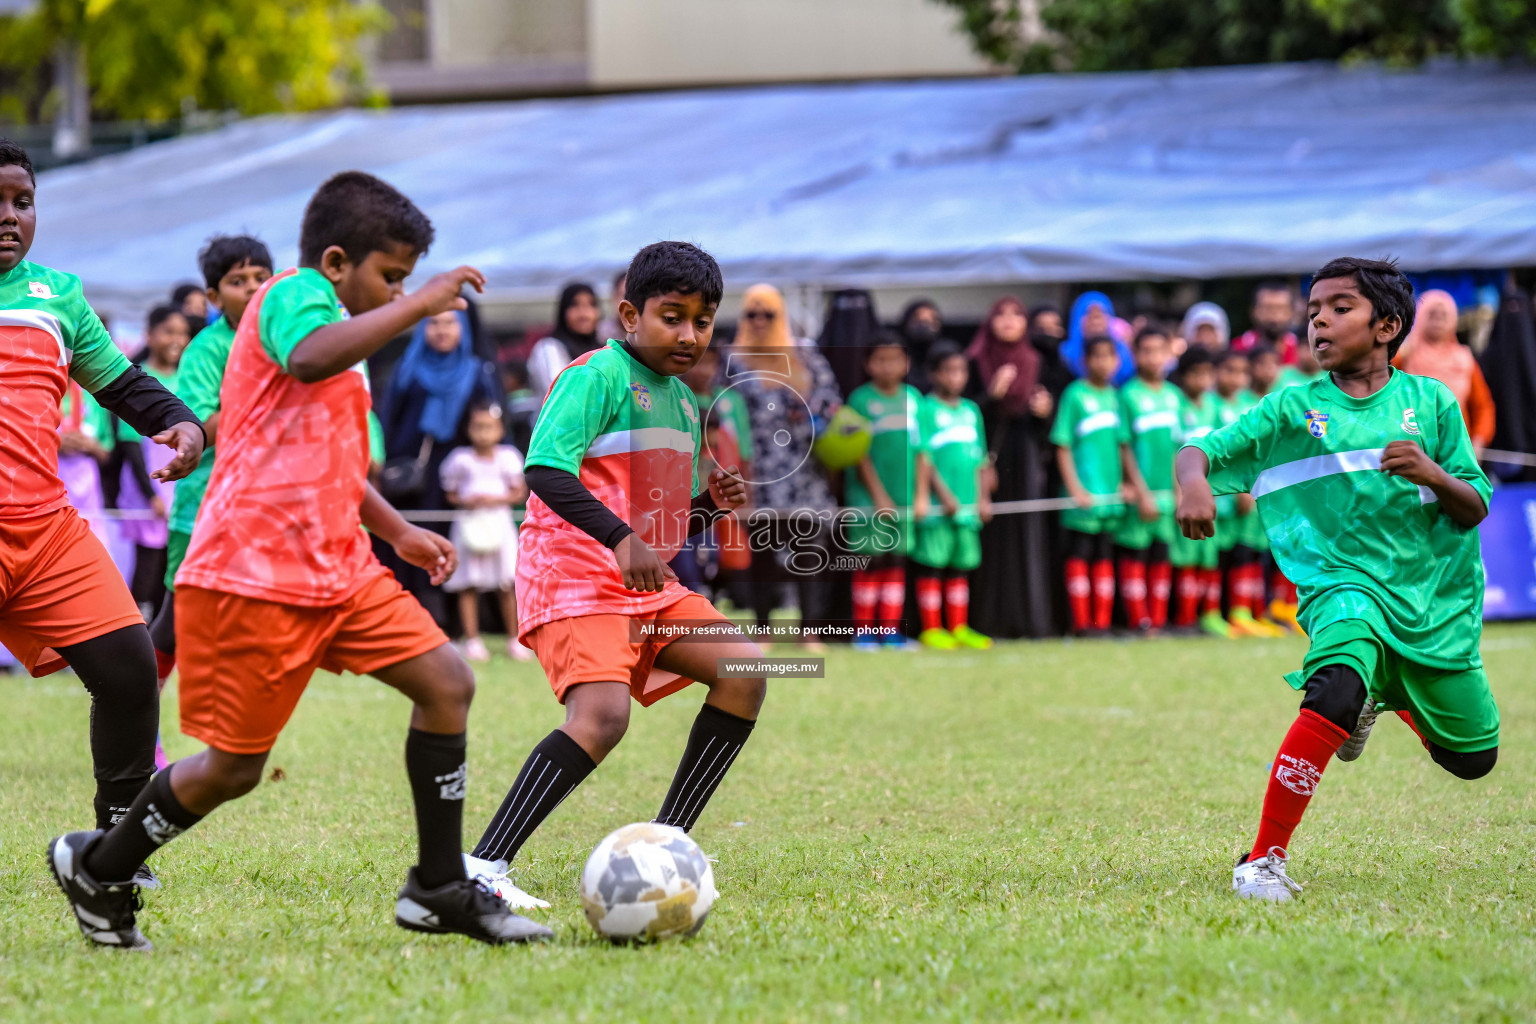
244	662
599	649
58	587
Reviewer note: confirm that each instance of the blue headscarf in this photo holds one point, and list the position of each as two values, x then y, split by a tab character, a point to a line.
1072	348
448	378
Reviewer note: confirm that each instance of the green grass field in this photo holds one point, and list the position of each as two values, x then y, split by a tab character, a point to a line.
1045	831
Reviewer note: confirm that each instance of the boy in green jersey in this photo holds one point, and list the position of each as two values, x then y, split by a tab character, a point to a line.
234	267
1198	580
1087	434
1149	408
954	463
1244	543
1263	372
882	486
1371	495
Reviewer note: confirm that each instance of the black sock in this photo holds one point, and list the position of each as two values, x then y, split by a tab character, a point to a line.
435	763
556	766
716	739
155	818
118	670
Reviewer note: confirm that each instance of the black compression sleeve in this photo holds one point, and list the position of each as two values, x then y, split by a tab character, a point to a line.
568	499
703	513
144	403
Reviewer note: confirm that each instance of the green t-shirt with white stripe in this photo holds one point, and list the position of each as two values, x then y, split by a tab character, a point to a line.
1151	416
1358	543
955	442
893	444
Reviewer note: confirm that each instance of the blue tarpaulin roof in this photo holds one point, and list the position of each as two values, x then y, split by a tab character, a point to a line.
1180	174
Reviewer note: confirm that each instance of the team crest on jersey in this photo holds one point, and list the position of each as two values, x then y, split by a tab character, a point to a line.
642	395
1317	423
40	290
1410	422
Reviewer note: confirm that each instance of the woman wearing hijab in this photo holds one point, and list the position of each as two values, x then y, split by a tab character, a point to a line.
1206	326
1093	316
422	415
1433	351
577	316
921	326
789	389
1014	584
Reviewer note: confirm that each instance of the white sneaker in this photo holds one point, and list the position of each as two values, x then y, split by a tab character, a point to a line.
474	650
1264	878
518	651
1355	745
494	874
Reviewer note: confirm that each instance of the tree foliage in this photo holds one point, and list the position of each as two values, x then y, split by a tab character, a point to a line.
153	59
1124	35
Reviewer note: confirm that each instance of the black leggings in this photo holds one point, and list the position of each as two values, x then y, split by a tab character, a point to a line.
162	632
148	586
1337	693
118	670
1090	547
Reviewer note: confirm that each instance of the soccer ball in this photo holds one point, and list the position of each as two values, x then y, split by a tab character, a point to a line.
648	882
845	440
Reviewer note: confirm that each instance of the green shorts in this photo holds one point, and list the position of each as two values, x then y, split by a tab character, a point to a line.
1452	707
175	553
865	535
1248	531
1098	519
1137	534
946	544
1196	554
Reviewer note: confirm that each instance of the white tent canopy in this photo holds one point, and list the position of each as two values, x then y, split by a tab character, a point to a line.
1183	174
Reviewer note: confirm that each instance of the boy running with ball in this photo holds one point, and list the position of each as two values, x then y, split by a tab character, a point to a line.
613	466
280	578
1368	488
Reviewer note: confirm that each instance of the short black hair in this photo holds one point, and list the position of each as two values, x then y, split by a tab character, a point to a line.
1274	284
1230	355
362	214
224	253
1098	340
663	267
482	405
1150	331
1261	351
939	351
180	292
884	339
12	155
1194	356
1386	288
160	314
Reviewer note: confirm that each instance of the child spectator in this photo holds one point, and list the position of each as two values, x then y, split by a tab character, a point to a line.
1087	435
521	406
1244	541
954	466
485	479
1263	372
1149	408
1198	583
167	337
883	485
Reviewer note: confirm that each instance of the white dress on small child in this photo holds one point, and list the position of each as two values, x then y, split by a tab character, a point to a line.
485	538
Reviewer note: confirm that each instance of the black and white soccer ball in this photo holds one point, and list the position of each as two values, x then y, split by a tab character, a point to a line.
649	882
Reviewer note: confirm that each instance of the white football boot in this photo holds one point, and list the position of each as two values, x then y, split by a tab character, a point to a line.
494	874
1264	878
1355	745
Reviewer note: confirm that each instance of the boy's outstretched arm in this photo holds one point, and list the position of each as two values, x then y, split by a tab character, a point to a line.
340	346
1196	512
416	545
1458	499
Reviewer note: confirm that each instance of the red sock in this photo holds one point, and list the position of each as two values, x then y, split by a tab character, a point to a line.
1133	591
1103	593
1284	590
1407	718
165	664
1078	592
1210	590
1190	589
1253	583
866	595
893	598
1159	586
957	601
1294	776
930	602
